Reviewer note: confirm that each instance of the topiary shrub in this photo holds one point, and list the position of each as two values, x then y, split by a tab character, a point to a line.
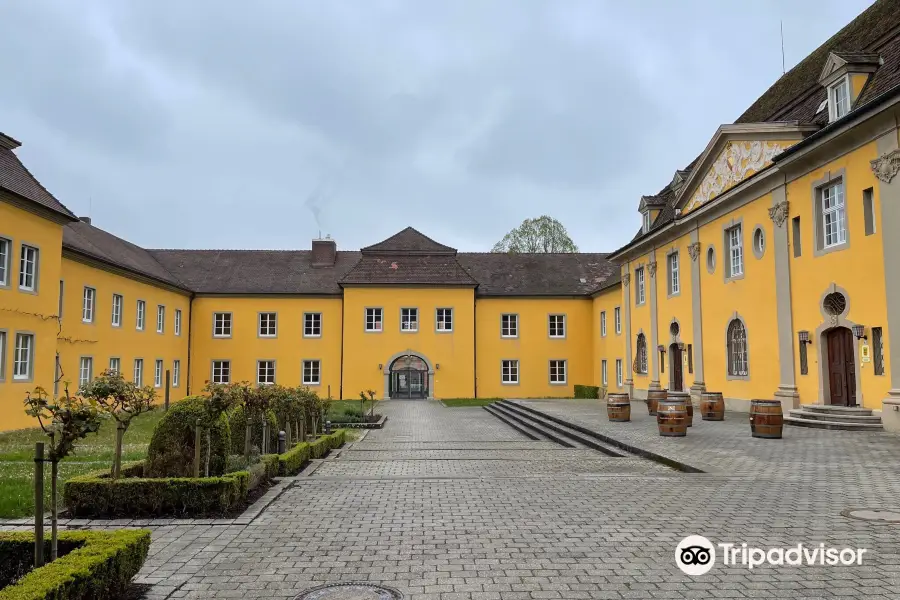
237	423
93	565
292	461
171	450
587	391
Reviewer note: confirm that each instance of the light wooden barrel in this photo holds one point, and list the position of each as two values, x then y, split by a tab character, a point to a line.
712	406
671	418
688	405
618	407
766	419
653	399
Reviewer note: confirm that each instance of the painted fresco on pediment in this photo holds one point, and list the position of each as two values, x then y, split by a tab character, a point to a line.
737	161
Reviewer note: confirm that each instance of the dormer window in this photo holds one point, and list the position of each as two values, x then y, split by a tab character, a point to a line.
646	225
839	99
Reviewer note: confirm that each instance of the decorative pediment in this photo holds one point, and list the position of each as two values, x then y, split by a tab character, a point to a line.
832	65
650	202
841	63
735	153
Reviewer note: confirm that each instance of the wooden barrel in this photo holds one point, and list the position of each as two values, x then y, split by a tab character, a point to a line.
671	418
688	405
766	419
618	407
653	399
712	406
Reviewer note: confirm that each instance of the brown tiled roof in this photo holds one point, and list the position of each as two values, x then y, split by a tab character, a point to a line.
15	178
101	245
506	274
411	269
255	271
409	241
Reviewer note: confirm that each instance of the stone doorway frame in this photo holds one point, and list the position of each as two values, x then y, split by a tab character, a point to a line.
386	393
830	322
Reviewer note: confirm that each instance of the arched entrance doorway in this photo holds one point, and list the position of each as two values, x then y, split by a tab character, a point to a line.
676	371
408	377
841	367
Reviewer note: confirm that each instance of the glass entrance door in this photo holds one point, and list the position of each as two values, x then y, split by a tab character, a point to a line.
409	378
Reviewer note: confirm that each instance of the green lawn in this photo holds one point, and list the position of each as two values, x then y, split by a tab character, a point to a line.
93	453
456	402
338	407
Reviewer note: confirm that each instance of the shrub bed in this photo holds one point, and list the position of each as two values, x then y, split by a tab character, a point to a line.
294	459
587	391
95	495
94	565
171	450
237	423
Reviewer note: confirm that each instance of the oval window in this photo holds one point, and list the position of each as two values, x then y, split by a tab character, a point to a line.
759	242
711	260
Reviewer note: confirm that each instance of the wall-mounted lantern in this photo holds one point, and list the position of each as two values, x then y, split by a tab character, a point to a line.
380	366
803	337
860	332
661	348
437	366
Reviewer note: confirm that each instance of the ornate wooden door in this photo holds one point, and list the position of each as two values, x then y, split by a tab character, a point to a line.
841	367
677	377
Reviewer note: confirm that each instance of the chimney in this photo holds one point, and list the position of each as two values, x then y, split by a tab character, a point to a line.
324	252
85	220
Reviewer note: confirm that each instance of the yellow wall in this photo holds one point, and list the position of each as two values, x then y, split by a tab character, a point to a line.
102	341
453	351
640	322
858	269
244	348
611	346
534	348
751	297
678	307
28	312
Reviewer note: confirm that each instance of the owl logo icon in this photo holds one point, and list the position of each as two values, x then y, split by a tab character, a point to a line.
695	555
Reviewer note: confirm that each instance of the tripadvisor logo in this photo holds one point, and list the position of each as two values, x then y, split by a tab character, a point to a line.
696	555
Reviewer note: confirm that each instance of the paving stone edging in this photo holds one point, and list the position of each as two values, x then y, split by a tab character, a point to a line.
643	453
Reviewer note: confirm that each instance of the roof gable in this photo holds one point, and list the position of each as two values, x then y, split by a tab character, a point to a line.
409	241
18	180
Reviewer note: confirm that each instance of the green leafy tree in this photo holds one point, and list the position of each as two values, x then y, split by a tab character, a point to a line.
123	400
541	235
65	421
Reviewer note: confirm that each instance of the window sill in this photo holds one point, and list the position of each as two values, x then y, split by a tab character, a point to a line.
221	337
737	378
557	337
312	336
829	249
509	383
558	383
509	337
674	295
312	384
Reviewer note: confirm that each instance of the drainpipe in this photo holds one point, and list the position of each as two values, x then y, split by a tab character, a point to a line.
475	342
343	316
190	335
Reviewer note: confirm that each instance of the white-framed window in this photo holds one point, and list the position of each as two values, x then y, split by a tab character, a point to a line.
557	326
735	250
221	371
115	364
117	310
85	370
409	319
509	371
834	215
509	325
603	371
158	373
374	319
139	371
618	317
444	319
160	318
839	99
5	255
312	372
268	324
602	323
28	268
619	372
312	324
176	372
557	371
265	372
140	315
646	222
737	349
2	355
640	354
23	357
640	290
88	304
177	321
674	281
222	324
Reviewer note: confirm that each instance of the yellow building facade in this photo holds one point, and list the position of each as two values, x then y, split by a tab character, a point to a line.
766	268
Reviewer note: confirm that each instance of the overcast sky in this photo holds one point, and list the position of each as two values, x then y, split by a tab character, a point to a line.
214	124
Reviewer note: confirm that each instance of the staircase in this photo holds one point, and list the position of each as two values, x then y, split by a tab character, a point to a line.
822	416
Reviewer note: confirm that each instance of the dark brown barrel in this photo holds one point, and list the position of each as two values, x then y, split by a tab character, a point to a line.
653	398
712	406
618	407
766	419
688	405
671	418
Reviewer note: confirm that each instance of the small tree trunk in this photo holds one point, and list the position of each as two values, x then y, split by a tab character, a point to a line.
264	443
287	433
38	504
54	510
208	449
117	458
248	439
197	449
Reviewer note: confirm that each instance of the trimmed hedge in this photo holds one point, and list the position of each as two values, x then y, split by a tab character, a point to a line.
99	565
94	495
237	423
587	391
171	450
265	470
294	459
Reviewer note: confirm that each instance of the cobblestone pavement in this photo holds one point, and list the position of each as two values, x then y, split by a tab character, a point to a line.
448	528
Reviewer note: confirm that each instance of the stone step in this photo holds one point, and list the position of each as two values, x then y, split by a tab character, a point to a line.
836	410
816	424
538	428
559	432
524	431
842	418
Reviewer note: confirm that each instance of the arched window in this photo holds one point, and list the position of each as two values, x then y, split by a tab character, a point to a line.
640	355
737	348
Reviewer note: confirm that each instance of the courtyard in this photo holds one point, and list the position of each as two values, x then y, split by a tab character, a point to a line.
451	503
